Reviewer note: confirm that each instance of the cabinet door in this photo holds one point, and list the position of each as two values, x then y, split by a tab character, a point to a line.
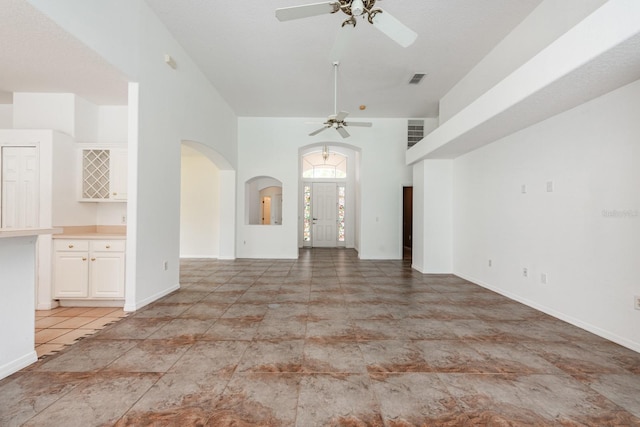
71	273
118	174
95	174
107	275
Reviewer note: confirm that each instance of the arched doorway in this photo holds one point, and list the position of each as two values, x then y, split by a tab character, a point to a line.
207	203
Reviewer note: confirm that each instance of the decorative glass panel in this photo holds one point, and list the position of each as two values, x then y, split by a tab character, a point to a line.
306	232
341	200
315	165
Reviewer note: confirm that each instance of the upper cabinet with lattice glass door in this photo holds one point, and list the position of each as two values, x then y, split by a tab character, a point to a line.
104	174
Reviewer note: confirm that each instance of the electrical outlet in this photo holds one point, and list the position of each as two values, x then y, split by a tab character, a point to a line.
543	278
549	186
525	272
489	263
636	301
523	189
165	265
123	220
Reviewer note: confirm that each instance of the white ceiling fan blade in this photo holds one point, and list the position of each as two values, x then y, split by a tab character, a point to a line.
360	124
342	42
307	10
343	132
341	116
394	29
315	132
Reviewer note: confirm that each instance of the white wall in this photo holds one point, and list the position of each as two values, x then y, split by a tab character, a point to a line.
112	124
199	208
546	23
584	235
17	263
432	250
6	116
270	147
44	111
171	106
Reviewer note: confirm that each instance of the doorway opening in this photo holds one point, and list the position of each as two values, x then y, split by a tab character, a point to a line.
407	222
329	183
207	203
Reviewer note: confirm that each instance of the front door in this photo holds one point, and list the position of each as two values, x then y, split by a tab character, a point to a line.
324	211
19	187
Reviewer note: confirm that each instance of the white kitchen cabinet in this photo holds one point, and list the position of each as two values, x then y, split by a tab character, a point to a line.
87	269
104	174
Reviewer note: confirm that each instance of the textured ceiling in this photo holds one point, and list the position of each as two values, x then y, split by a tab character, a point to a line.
37	56
264	67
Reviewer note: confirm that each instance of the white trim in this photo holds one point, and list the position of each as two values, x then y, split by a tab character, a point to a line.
635	346
138	305
17	364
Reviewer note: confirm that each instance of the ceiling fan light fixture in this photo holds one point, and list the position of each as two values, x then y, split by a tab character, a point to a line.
357	7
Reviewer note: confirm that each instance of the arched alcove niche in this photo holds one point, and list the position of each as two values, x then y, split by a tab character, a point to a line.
263	202
207	203
332	168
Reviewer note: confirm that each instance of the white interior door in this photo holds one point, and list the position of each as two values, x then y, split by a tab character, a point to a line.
19	187
324	213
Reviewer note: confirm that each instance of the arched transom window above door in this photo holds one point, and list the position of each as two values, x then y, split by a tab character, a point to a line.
324	163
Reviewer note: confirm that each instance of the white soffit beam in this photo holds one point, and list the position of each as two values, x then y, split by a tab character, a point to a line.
598	55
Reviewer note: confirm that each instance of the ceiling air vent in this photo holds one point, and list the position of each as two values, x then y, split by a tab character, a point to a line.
417	78
415	132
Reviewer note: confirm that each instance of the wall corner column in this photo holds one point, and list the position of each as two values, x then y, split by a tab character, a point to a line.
432	249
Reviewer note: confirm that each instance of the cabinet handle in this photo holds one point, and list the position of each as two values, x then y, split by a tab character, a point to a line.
84	258
115	194
108	246
93	259
70	246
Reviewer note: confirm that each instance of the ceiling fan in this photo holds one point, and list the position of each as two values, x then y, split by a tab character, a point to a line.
379	18
337	118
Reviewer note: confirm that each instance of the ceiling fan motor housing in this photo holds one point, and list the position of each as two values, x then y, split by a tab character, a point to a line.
357	7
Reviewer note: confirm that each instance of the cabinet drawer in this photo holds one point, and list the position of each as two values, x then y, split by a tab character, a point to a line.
108	245
71	245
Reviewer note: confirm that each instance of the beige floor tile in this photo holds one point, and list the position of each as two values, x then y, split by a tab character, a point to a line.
100	323
46	335
51	312
47	322
102	311
46	349
75	322
119	313
72	311
72	336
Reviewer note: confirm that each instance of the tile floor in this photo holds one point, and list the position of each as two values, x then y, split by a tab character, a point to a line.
63	326
329	340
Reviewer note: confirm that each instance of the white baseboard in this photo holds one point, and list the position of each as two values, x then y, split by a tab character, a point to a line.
17	364
139	304
559	315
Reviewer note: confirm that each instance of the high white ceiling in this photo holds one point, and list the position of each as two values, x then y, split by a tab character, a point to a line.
267	68
264	67
38	56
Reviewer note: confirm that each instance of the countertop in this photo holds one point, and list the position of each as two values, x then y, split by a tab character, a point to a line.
91	236
26	232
